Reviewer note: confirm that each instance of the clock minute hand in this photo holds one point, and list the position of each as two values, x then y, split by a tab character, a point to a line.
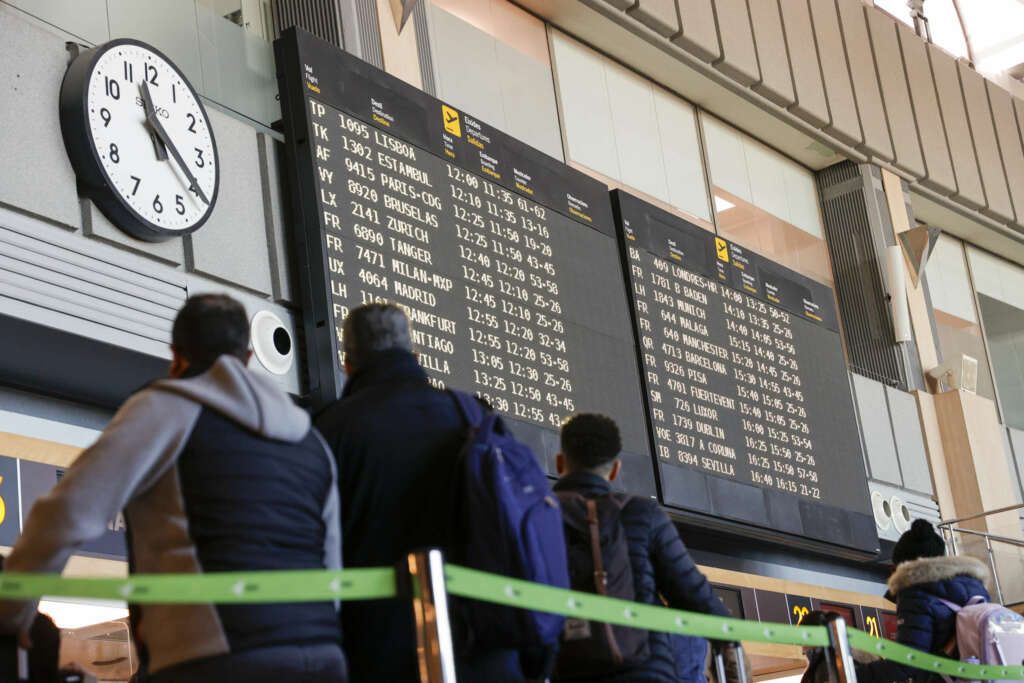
154	121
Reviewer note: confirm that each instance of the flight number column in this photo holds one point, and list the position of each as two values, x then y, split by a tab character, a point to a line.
684	368
769	388
515	318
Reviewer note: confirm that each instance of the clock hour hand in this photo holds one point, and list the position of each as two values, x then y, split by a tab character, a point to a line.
158	146
154	122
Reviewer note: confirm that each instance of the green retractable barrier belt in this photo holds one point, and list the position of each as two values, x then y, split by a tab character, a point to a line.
469	583
307	585
380	583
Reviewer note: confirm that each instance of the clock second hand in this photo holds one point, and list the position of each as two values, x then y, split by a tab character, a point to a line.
154	122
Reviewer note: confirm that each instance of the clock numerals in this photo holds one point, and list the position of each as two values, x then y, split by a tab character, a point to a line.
129	71
151	74
137	180
112	87
200	161
191	123
179	204
174	94
115	154
157	204
105	115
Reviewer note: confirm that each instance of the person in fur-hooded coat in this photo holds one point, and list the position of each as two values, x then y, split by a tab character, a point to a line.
923	577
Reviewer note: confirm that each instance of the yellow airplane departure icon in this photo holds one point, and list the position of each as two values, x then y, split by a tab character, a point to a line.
722	249
451	120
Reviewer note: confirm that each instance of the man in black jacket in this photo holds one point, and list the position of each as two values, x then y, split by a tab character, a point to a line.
588	463
396	440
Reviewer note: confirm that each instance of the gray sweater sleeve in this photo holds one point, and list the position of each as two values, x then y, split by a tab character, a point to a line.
140	443
331	512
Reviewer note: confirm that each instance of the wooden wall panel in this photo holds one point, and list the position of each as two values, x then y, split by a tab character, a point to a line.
899	110
736	37
776	83
938	167
697	29
979	115
866	88
842	105
1011	151
958	133
811	104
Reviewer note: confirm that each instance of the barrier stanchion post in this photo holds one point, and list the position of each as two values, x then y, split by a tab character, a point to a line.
840	657
426	585
719	657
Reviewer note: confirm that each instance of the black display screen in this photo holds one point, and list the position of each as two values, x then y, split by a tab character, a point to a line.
505	260
748	396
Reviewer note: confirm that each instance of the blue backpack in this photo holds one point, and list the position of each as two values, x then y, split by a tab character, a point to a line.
510	523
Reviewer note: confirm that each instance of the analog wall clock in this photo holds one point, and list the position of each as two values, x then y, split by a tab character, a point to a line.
139	140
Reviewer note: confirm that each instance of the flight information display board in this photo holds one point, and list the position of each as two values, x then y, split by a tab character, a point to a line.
505	260
748	397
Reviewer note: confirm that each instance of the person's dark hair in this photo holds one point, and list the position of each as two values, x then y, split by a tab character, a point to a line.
373	328
209	326
590	442
920	541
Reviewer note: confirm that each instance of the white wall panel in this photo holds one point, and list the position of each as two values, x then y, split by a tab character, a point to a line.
624	127
684	167
948	281
586	110
767	185
726	158
635	127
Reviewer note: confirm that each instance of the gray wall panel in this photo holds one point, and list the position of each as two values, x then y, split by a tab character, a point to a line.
899	111
96	225
661	16
87	18
810	105
866	88
770	40
906	426
878	438
34	176
232	246
842	105
1008	139
698	34
739	58
279	241
1011	460
958	133
168	25
1017	441
939	168
979	115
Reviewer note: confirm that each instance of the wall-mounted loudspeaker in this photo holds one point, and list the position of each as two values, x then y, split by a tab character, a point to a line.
900	514
882	510
272	343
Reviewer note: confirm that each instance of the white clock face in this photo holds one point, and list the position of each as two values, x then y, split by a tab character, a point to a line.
147	169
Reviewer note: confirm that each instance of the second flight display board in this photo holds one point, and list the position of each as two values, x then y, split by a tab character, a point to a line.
748	395
505	260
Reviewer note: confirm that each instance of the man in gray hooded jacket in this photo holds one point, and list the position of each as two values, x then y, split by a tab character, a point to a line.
216	470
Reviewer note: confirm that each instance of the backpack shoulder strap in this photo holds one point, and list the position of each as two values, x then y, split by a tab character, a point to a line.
470	408
950	604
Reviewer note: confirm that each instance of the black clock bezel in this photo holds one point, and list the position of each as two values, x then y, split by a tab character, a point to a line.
93	181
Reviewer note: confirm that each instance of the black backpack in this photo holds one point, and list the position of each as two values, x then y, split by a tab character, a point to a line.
598	563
